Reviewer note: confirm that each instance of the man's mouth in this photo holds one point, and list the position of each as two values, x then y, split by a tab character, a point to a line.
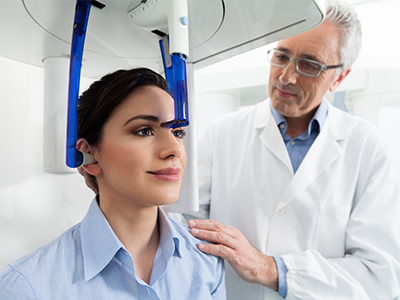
284	94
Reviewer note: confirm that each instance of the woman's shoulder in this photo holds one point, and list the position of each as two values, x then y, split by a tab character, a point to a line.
204	274
188	243
40	260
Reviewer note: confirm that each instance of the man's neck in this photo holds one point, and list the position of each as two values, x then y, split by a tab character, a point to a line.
298	125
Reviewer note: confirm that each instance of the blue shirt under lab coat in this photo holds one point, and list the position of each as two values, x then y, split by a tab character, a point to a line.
89	262
297	148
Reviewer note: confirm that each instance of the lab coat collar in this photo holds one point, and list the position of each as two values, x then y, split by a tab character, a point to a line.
263	115
339	130
338	127
324	152
270	135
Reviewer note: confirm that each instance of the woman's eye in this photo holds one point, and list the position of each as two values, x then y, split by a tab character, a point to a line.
144	132
180	133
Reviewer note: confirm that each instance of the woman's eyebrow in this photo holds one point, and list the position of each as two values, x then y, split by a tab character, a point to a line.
143	117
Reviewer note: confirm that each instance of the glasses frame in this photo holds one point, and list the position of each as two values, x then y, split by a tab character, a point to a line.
295	60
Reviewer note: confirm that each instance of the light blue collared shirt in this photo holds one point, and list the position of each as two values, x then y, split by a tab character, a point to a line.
89	262
297	148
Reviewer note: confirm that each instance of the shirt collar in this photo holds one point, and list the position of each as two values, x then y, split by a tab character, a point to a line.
319	117
167	234
100	244
168	247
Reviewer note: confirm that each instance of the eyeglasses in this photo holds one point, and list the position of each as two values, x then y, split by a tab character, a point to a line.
304	66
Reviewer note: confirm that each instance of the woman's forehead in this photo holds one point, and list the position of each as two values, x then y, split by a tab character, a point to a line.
148	100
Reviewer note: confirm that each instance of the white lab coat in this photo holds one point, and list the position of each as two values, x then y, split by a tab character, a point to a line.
335	223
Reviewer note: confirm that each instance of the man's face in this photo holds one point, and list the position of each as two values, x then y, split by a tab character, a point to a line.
294	95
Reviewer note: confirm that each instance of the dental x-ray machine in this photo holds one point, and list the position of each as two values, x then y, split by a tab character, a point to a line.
169	21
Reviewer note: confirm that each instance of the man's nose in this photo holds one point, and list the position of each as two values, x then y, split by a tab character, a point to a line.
289	74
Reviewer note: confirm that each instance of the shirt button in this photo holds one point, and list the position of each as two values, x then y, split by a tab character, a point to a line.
281	212
282	126
292	143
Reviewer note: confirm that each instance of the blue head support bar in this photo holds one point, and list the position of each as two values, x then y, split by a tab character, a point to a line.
76	158
175	72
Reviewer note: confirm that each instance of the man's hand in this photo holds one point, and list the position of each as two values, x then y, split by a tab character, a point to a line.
230	244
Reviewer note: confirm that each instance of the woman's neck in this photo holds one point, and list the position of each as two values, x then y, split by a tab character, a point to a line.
137	229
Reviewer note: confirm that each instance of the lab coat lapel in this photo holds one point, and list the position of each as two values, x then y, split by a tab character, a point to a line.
271	136
325	151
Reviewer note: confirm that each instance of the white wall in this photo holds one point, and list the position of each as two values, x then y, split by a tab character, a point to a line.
35	206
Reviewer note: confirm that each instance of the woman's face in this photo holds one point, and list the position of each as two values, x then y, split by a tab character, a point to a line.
139	161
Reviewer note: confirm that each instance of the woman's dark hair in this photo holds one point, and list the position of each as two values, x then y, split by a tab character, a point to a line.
97	103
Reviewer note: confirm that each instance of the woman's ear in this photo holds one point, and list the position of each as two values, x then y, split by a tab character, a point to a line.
93	168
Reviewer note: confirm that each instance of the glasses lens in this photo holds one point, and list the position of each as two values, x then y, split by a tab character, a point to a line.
308	67
278	58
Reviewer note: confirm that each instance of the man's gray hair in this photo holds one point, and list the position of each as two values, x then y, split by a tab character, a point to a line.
343	15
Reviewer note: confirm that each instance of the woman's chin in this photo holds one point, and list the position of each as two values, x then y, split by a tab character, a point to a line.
167	198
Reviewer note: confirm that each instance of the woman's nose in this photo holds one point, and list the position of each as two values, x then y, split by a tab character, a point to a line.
170	146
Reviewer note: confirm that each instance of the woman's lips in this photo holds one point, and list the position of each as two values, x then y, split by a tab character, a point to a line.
167	174
284	94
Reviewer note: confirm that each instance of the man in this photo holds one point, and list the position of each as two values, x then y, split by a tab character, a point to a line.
305	197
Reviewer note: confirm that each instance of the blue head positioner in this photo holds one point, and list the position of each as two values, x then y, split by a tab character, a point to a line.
175	72
75	158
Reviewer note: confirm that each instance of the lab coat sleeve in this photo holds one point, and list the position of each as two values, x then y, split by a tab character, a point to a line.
13	285
370	268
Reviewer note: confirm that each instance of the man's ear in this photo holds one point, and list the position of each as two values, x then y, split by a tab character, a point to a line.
339	80
93	168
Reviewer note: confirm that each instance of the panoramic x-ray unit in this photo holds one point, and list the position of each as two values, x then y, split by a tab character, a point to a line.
231	27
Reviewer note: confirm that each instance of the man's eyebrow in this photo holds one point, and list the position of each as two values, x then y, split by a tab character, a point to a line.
143	117
312	57
283	49
308	56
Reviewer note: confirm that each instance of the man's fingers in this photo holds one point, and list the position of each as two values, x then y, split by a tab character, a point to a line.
217	250
211	225
204	224
216	237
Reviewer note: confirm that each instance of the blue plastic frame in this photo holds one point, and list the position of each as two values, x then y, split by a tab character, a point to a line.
176	76
74	158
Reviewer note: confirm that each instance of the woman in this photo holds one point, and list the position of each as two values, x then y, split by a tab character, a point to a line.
126	247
